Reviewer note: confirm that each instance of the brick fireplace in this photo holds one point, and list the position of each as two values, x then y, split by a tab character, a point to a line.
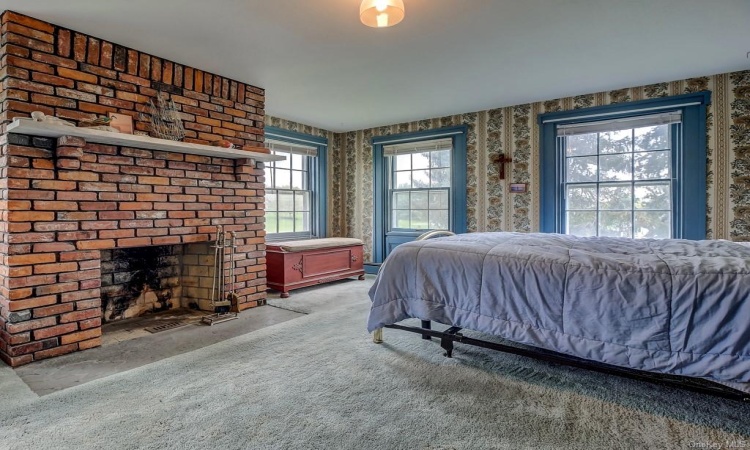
67	204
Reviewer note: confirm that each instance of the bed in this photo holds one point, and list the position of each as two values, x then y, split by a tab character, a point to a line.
673	307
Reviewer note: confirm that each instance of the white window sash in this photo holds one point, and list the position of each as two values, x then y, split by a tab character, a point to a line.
418	147
295	149
603	126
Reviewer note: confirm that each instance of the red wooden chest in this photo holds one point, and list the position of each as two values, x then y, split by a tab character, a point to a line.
298	264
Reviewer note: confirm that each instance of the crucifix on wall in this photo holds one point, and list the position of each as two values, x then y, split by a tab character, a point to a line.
501	160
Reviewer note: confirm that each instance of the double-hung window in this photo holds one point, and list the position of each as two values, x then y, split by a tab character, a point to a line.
633	170
295	187
420	185
617	178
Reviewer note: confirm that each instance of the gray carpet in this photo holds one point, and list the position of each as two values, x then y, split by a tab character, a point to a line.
318	382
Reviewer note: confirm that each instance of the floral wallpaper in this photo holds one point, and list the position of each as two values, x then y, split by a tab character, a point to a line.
514	131
739	137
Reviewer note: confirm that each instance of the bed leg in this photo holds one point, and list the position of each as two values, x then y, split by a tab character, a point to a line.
447	345
426	325
377	336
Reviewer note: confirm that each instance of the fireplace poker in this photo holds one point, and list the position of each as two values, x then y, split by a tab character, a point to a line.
232	296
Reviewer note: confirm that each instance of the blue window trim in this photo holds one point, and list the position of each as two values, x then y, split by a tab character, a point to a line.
318	173
380	175
690	163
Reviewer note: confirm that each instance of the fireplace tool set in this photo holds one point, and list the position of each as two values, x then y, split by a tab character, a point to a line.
224	300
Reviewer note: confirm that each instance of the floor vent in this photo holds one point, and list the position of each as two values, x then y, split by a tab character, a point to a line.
166	326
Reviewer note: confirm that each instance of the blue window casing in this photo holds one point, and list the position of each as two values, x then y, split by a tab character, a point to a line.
689	162
318	173
380	185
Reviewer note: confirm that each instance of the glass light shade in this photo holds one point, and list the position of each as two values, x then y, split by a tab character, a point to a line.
381	13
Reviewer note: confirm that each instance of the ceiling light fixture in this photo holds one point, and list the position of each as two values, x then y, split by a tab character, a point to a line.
381	13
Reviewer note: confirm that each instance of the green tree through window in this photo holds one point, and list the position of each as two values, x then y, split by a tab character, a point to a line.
618	182
289	195
420	185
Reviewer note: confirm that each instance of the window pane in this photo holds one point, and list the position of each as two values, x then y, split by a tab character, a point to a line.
582	223
633	196
441	159
283	179
419	200
439	219
420	208
401	200
581	169
302	221
286	201
302	201
420	160
403	180
420	179
271	226
652	138
285	164
615	196
440	177
296	162
653	196
401	219
652	165
581	145
286	222
439	199
288	198
298	180
615	224
620	141
653	224
402	162
582	197
615	167
271	204
419	219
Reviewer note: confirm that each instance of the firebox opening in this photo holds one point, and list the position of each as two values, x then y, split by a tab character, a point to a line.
144	280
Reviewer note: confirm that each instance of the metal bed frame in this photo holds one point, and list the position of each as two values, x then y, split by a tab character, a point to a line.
452	334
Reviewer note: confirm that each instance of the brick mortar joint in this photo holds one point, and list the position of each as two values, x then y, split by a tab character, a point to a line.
71	141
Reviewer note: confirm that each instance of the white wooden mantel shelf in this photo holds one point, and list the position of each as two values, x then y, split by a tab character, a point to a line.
34	128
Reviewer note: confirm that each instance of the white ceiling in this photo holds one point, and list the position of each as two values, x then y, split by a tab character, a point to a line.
320	66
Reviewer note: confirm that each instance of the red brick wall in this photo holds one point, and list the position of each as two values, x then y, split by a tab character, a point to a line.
62	202
77	77
68	200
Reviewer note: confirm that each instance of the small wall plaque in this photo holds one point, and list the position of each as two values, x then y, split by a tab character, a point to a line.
518	188
122	122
